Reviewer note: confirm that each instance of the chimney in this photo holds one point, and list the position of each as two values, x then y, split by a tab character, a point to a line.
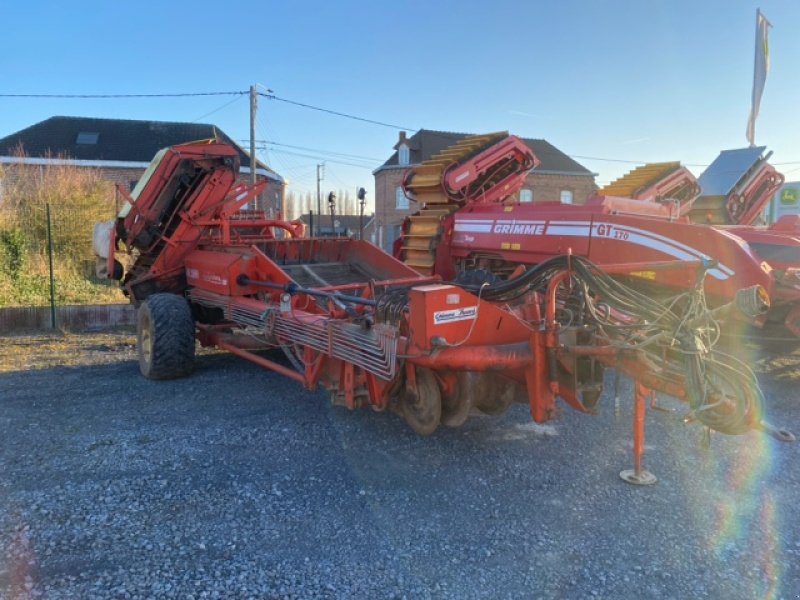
402	138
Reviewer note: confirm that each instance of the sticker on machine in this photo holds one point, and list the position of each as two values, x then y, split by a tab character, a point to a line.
440	317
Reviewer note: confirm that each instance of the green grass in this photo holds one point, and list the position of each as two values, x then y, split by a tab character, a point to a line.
32	289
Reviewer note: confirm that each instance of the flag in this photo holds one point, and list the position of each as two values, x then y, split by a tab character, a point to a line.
760	70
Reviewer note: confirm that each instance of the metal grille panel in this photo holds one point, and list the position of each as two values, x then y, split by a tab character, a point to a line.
374	349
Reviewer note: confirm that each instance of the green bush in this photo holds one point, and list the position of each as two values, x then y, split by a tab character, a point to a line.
76	198
13	252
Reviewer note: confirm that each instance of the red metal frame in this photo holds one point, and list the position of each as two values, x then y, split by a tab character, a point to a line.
648	250
191	198
510	155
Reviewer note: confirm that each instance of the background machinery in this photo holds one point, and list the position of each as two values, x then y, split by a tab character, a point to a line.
638	228
732	194
342	315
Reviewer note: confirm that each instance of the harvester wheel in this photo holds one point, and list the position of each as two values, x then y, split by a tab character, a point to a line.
423	410
457	405
165	337
493	395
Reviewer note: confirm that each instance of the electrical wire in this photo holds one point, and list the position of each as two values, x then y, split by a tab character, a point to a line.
335	112
271	96
216	110
322	158
260	126
101	96
623	160
331	152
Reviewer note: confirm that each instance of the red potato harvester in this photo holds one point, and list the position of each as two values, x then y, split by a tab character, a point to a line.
468	220
343	315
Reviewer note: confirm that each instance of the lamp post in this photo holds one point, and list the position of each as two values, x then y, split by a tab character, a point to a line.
361	194
332	207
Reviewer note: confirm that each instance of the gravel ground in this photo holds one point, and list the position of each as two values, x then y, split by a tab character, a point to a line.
236	483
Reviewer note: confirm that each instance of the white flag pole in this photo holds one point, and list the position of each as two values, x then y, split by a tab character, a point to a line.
760	70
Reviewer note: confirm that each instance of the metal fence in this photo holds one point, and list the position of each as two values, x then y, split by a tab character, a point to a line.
46	256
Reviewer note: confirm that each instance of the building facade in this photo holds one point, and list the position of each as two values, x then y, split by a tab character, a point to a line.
121	149
558	178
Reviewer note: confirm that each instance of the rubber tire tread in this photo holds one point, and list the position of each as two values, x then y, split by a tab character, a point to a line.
427	385
172	335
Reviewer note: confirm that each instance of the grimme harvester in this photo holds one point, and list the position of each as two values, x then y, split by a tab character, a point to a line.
733	190
732	194
343	315
466	222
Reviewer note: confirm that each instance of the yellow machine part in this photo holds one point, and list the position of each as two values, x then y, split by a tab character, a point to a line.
639	179
424	231
425	184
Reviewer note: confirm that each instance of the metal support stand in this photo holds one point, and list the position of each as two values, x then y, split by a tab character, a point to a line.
638	475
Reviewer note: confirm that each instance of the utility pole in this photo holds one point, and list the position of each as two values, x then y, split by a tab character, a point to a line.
253	107
320	177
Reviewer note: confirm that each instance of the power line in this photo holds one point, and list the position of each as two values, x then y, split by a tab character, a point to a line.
271	96
622	160
85	96
321	151
261	126
337	178
334	112
296	173
322	158
791	170
619	160
216	110
191	94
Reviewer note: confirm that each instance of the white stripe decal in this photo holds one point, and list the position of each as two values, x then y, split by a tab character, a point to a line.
634	235
518	222
570	230
665	245
473	228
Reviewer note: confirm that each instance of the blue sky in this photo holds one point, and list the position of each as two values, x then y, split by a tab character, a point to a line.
637	81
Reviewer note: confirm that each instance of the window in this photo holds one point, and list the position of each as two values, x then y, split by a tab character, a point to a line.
566	197
400	199
526	195
403	155
87	138
132	184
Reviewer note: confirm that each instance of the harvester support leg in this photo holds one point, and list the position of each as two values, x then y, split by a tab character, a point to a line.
638	475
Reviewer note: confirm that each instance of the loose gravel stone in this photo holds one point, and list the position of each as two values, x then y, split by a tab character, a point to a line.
236	483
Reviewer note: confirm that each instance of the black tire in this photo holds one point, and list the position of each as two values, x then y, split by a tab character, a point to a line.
493	394
457	405
423	411
165	337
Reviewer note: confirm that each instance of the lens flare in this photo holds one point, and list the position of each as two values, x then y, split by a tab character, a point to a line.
747	522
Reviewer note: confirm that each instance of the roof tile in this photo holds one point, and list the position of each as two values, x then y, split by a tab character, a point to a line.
123	140
427	142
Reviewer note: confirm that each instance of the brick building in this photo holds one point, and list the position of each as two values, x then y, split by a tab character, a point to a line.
120	149
558	178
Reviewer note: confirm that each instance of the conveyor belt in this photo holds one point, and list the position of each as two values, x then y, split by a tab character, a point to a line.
639	179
